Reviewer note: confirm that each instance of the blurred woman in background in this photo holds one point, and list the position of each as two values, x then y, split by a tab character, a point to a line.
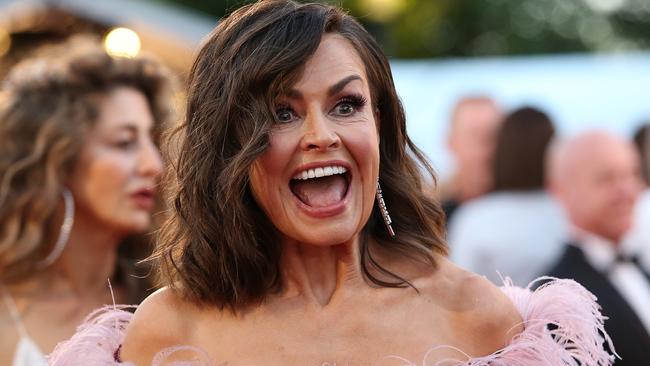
641	140
79	168
518	229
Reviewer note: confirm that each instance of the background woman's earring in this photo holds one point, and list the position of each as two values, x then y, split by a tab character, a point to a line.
384	211
64	231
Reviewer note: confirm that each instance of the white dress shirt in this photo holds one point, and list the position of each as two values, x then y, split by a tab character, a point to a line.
511	234
639	236
626	277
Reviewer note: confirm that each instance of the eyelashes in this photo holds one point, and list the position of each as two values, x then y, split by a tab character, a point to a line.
349	105
346	106
358	101
284	114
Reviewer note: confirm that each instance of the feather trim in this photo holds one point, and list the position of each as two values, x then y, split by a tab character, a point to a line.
563	326
562	322
98	340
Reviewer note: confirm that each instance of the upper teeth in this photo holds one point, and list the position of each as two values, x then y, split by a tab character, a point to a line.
320	172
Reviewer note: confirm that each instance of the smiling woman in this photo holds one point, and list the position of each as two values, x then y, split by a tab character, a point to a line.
280	249
323	123
290	103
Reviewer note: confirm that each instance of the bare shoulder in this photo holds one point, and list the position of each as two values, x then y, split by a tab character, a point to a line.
163	320
485	316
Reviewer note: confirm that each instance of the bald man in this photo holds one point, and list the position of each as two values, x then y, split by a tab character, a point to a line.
597	178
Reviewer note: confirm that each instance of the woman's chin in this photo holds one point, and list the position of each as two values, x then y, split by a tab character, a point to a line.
337	229
137	225
328	237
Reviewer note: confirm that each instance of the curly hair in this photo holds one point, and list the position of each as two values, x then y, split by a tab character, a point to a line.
217	246
47	105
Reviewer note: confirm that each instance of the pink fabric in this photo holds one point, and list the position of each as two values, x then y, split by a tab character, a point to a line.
98	340
577	337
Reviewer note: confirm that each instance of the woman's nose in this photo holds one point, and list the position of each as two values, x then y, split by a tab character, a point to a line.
318	133
150	163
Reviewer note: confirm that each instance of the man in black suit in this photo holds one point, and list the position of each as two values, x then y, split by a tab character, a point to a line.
596	176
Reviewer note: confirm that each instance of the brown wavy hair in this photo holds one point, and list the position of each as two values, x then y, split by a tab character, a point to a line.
218	247
48	103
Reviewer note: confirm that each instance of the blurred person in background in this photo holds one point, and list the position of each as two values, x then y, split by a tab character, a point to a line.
597	178
517	229
640	233
475	121
79	168
642	143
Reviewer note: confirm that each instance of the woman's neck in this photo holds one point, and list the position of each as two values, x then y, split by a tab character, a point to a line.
319	273
88	260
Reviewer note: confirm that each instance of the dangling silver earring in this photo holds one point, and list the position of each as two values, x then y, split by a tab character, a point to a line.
384	210
64	231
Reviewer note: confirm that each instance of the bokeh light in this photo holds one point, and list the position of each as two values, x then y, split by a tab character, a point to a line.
606	6
382	10
122	42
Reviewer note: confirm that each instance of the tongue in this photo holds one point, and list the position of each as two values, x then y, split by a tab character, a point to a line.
320	192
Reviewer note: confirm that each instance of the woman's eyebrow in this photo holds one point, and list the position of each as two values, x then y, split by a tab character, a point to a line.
341	84
132	126
126	126
295	94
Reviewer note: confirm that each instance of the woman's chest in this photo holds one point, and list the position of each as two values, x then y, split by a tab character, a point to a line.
359	339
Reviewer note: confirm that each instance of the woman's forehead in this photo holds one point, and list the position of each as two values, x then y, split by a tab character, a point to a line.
335	60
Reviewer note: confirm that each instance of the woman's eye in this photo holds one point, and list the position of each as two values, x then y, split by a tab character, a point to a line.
345	109
349	105
125	144
284	115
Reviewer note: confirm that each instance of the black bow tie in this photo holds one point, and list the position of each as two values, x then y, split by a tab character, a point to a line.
632	259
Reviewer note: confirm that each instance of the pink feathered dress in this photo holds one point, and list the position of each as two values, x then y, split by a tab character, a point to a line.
562	322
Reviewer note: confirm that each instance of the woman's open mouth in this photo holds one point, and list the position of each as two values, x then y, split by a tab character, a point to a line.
321	187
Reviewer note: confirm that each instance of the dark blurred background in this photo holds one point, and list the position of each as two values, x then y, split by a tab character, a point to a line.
465	28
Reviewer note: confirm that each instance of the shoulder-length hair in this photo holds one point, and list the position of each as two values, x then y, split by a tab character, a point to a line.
48	103
218	247
518	162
